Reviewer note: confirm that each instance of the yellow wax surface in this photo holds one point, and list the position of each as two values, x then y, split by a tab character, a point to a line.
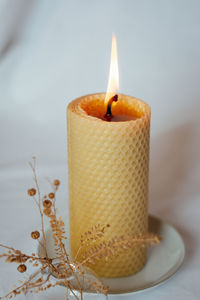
119	118
108	176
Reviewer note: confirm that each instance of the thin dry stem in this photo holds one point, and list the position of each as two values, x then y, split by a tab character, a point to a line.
33	166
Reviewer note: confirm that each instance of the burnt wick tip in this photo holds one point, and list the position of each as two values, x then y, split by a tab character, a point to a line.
108	115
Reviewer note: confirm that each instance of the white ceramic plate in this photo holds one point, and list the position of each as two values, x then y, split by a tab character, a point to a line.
163	261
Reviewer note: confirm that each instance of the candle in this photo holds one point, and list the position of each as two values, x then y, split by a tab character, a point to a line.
108	174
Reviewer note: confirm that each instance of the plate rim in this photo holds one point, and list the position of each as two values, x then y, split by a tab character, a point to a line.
163	279
158	282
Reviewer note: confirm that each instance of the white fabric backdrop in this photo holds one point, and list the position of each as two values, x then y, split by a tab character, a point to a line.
54	51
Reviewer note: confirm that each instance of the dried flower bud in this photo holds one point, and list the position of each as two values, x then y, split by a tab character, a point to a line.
47	211
32	192
35	235
56	182
16	292
51	195
47	203
21	268
35	264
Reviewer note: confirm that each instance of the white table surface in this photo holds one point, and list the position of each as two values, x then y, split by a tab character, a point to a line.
54	51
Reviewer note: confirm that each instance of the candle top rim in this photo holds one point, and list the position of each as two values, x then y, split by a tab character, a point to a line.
81	105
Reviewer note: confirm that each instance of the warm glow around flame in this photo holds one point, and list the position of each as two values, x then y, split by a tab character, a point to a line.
113	81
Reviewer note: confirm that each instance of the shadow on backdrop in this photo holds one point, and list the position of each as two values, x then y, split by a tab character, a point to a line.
174	178
14	17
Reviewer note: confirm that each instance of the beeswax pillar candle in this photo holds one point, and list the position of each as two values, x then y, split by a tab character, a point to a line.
108	176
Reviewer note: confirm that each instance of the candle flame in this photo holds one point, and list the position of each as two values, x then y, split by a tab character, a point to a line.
113	81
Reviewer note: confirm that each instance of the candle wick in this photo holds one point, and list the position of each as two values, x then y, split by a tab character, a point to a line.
108	115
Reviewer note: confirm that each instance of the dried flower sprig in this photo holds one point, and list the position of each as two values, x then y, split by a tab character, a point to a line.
62	266
115	246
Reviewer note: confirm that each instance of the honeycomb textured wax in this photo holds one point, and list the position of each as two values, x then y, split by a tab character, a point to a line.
108	176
